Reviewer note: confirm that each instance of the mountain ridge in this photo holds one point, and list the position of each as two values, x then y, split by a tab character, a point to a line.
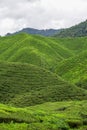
43	32
79	30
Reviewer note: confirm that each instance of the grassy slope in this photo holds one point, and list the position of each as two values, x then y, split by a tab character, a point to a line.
36	50
55	116
74	45
74	69
24	85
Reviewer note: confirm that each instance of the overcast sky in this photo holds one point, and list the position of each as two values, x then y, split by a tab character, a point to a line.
40	14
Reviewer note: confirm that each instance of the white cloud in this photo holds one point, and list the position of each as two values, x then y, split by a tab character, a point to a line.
16	14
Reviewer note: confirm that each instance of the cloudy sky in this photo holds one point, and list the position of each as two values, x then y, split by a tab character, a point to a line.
40	14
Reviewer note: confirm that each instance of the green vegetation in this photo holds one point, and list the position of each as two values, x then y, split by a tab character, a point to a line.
24	85
74	69
55	116
35	70
74	45
31	49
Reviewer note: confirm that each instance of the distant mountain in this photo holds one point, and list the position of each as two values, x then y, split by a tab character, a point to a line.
47	32
78	30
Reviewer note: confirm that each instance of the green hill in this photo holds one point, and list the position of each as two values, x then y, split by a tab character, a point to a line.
78	30
36	50
74	69
25	61
74	45
24	85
